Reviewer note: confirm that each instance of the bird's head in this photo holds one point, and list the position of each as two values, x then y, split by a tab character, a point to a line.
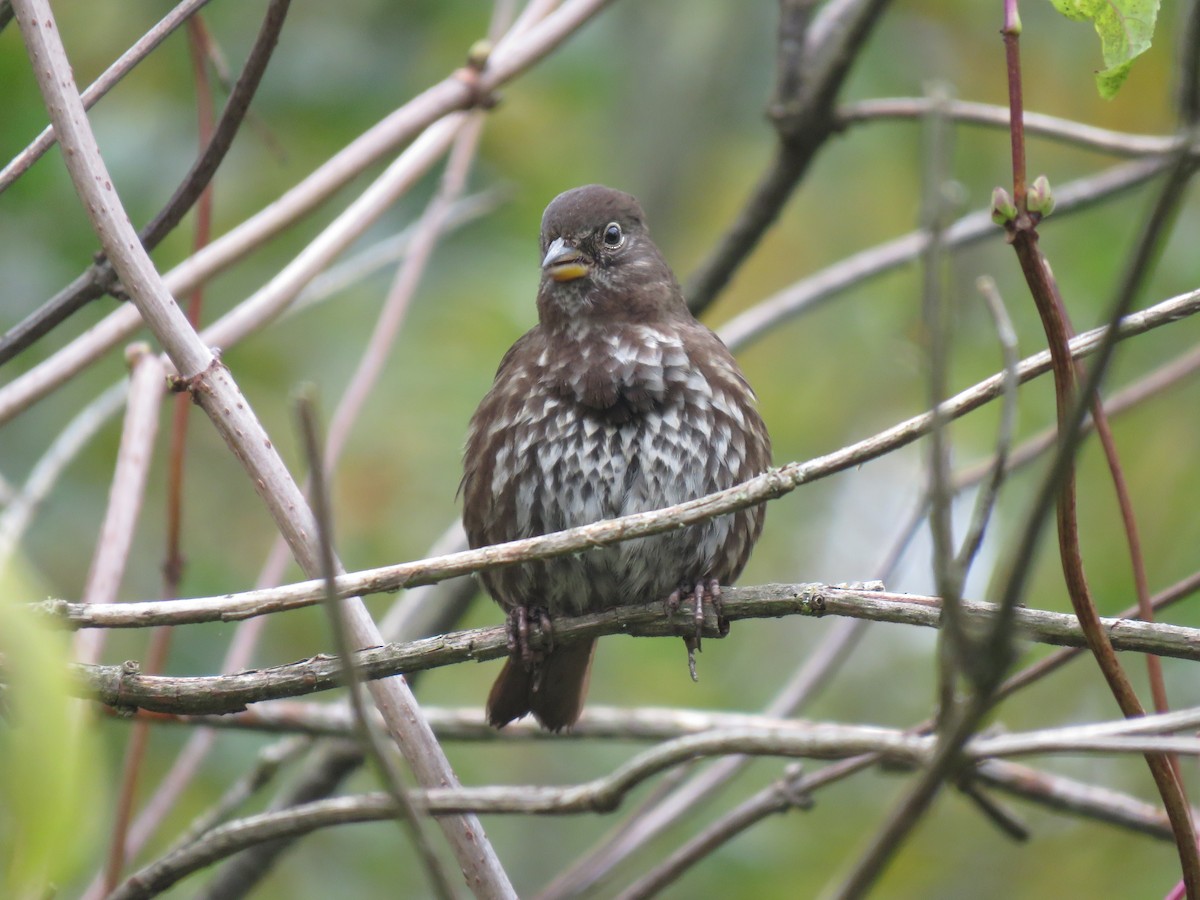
598	261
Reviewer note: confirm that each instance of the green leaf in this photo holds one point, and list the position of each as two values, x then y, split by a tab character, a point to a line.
48	792
1126	28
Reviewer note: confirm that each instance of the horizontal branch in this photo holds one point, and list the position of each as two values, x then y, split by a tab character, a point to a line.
804	295
598	722
1118	143
820	740
1054	791
644	723
604	794
808	740
125	687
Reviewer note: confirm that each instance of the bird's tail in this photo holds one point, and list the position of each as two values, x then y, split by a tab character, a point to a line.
552	689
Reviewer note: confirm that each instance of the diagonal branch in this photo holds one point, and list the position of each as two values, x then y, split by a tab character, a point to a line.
512	56
605	793
108	79
767	486
813	60
100	278
219	396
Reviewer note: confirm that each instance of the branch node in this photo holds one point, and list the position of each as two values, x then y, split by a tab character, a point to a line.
790	788
135	352
131	668
479	96
814	599
197	383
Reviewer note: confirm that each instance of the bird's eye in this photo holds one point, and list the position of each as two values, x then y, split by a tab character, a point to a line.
613	236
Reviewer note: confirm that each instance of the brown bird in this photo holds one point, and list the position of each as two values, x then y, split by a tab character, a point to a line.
618	401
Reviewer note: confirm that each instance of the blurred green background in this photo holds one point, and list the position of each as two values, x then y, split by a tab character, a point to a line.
666	100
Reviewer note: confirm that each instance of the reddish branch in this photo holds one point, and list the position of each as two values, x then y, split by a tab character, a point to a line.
1024	238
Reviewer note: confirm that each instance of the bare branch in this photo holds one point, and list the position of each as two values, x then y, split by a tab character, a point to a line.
1027	676
366	731
813	62
127	490
605	793
125	688
45	474
100	277
1117	143
230	412
142	48
1006	336
806	294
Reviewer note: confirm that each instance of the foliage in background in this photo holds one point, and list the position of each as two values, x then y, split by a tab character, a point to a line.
1125	28
50	800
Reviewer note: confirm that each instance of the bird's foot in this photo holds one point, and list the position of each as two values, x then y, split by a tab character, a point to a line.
519	646
704	589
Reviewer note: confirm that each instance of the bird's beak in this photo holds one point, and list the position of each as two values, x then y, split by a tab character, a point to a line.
564	262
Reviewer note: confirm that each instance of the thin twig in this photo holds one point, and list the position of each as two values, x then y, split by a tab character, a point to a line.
792	791
953	649
365	729
111	554
813	60
998	466
993	654
127	491
955	729
1189	66
808	293
269	762
1116	143
1166	376
1173	594
428	233
360	266
1059	486
108	79
63	450
604	793
1074	798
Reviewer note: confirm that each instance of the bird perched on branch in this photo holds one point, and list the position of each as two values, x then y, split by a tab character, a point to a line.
618	401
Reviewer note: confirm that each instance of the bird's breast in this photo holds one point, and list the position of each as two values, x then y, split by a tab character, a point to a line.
628	433
624	422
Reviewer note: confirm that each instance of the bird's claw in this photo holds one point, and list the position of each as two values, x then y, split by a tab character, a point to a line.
707	588
519	645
